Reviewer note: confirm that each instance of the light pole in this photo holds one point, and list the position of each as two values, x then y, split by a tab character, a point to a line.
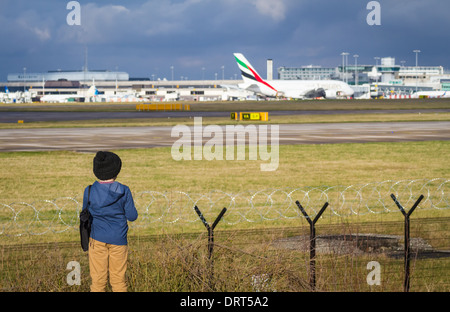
417	56
24	81
417	65
117	70
346	65
171	68
356	69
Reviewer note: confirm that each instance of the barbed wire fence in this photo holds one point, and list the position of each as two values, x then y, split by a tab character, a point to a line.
266	258
61	214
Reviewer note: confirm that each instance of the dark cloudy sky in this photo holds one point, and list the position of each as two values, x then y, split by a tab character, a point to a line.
147	37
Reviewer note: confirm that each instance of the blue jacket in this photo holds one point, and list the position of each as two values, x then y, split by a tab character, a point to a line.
111	207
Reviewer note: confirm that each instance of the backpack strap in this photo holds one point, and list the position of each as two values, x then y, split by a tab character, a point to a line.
89	196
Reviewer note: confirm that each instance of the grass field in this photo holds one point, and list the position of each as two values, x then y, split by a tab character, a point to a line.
28	176
35	177
305	105
167	256
168	122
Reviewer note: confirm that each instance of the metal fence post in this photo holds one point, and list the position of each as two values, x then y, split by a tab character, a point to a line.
407	256
210	230
312	245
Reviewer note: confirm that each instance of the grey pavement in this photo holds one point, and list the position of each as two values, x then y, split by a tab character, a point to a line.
112	138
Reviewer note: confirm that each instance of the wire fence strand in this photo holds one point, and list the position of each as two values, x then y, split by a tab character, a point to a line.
61	214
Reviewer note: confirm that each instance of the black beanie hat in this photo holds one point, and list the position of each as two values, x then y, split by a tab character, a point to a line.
107	165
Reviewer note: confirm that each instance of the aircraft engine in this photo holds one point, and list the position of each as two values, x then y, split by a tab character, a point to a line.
317	93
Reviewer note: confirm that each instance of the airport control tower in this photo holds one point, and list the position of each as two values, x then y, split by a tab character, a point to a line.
389	71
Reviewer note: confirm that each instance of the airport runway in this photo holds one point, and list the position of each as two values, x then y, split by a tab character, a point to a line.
13	117
93	139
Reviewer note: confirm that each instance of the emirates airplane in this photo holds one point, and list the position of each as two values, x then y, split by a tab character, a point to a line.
296	89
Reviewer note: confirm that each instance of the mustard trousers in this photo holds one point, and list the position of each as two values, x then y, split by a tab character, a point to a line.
107	258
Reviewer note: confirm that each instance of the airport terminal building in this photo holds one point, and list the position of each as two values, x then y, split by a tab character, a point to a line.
310	72
73	75
386	79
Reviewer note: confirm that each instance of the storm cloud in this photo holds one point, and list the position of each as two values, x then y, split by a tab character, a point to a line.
198	37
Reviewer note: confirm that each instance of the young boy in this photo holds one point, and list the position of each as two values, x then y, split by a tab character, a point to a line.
111	206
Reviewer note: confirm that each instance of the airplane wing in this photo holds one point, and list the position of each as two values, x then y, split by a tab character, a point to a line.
253	88
247	87
231	87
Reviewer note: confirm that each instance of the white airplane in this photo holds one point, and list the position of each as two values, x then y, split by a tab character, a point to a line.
16	97
431	94
296	89
59	98
124	98
64	98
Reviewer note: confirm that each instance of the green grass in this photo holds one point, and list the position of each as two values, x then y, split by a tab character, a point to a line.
31	179
306	105
29	176
329	105
174	263
153	121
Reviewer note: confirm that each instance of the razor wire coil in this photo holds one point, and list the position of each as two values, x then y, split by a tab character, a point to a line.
62	214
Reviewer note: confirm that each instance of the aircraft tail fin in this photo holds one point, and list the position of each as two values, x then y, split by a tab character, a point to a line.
92	91
248	73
